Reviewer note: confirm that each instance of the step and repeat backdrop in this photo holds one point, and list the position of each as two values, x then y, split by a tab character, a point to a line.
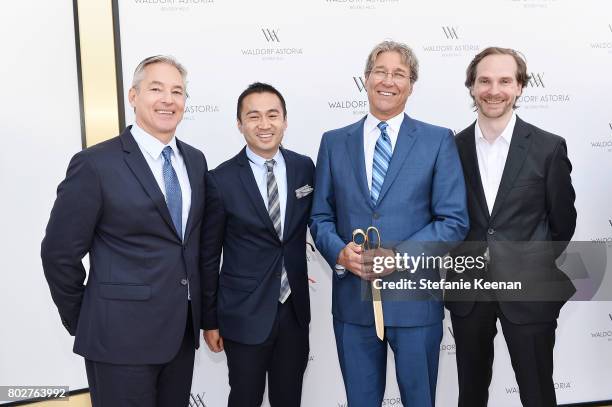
314	52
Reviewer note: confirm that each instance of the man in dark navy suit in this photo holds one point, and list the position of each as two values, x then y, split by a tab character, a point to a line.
257	308
134	203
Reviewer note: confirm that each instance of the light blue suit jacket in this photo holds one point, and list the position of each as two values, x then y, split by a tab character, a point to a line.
422	199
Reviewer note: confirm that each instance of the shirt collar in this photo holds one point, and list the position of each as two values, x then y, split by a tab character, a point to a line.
150	144
506	134
260	161
371	123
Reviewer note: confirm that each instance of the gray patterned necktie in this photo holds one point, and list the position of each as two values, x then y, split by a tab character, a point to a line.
174	198
275	216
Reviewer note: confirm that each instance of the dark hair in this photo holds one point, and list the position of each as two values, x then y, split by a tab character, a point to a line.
521	66
259	87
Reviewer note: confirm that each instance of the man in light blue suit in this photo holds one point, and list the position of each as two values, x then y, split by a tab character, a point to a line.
404	177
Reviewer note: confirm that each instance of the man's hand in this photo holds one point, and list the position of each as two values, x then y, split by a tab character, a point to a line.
213	340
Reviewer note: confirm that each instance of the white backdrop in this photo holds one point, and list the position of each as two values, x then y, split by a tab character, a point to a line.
314	53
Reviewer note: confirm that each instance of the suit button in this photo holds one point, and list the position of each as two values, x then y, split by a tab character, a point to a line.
184	281
278	275
491	231
376	215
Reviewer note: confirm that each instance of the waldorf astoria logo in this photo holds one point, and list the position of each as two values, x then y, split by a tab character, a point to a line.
559	385
174	5
392	401
270	45
604	43
604	144
197	400
354	101
448	342
538	94
605	332
192	112
450	42
362	4
534	3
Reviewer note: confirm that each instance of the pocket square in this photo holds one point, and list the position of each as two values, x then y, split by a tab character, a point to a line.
303	191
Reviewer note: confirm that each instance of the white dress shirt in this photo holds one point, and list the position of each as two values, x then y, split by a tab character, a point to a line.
371	133
261	177
151	149
492	159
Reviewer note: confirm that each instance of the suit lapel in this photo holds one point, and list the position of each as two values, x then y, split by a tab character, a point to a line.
467	149
193	183
139	167
405	141
516	158
354	145
250	186
291	169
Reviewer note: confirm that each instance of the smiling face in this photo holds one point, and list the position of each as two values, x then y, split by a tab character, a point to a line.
159	100
387	96
496	88
262	123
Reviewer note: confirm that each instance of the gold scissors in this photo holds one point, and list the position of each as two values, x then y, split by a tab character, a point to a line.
368	240
363	238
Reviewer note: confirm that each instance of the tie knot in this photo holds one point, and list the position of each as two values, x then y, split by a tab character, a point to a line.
270	165
383	126
167	153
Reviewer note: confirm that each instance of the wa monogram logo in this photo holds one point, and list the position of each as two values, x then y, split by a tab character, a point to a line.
536	80
271	35
450	32
451	332
360	83
197	400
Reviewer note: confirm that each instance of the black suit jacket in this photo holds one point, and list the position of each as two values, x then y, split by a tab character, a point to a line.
242	299
532	221
133	309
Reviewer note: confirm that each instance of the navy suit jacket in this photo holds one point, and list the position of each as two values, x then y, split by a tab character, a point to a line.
133	309
422	200
242	300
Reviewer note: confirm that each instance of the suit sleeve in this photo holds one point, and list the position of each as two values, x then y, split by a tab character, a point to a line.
450	220
323	214
69	235
560	197
213	229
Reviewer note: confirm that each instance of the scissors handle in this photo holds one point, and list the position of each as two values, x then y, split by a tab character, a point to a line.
360	237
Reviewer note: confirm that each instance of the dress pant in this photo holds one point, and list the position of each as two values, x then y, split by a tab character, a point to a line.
154	385
283	356
531	353
363	362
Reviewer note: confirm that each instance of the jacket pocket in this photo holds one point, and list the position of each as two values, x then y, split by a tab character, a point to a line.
240	283
119	291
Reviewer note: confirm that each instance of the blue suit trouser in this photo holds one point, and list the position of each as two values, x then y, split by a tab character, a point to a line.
363	361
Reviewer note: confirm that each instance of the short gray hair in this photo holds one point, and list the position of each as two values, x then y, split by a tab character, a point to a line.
405	52
158	59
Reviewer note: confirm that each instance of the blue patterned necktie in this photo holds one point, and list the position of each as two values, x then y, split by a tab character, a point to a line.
275	216
174	198
382	158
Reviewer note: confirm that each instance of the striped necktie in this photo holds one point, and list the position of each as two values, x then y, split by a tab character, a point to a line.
174	198
382	158
275	216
